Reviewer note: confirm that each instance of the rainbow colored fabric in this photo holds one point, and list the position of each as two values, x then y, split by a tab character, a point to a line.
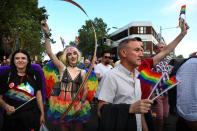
62	40
57	107
154	114
149	77
76	41
183	8
180	21
92	85
51	77
170	82
21	93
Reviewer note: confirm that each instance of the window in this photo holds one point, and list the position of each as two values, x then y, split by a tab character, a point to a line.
144	45
141	30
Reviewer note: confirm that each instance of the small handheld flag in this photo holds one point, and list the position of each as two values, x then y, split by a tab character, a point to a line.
25	103
154	114
180	21
182	11
149	76
170	82
172	86
76	41
183	8
20	45
36	58
62	40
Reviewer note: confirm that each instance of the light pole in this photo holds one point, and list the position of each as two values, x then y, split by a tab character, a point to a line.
160	39
165	29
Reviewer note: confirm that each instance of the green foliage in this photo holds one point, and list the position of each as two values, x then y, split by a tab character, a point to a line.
86	36
180	56
21	19
71	44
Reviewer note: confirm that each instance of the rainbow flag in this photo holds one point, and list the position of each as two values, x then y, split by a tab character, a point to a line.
76	41
19	94
20	45
180	21
62	40
170	82
36	58
154	114
149	77
183	8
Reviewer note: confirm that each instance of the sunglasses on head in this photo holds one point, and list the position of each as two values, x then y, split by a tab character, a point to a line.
107	57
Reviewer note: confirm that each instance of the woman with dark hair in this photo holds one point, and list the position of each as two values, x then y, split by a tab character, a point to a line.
21	87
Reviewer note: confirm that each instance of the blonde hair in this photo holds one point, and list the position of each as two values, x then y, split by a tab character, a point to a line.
65	53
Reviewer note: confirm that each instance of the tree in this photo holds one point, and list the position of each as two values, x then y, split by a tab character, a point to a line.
180	56
86	37
21	19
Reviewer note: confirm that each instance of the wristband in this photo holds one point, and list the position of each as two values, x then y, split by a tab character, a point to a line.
46	35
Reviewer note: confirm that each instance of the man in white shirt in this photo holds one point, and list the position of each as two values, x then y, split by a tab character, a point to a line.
121	86
103	67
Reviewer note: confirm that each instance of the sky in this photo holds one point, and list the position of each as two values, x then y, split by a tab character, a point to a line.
65	19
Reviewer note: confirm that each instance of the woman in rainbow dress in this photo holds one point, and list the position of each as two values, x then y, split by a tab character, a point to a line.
65	91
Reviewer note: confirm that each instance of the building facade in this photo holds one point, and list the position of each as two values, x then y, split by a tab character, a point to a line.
144	30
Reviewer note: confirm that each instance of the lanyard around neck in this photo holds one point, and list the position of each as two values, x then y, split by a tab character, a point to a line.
22	79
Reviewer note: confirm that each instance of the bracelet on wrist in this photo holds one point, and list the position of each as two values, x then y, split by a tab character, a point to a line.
46	35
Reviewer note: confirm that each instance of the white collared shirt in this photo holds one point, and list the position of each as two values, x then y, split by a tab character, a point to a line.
118	87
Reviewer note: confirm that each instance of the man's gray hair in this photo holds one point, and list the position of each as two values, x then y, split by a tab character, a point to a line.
124	43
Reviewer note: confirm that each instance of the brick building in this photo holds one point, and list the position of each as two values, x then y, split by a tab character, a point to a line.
144	30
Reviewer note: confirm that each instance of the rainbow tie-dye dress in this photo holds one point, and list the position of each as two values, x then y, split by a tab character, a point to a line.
60	100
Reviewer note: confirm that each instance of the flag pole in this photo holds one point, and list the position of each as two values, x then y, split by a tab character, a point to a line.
165	90
155	86
25	103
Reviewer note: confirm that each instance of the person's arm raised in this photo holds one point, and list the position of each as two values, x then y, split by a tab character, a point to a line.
170	47
55	60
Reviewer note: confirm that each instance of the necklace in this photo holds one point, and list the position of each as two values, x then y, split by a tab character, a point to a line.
72	66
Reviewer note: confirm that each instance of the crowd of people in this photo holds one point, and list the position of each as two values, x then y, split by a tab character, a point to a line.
123	100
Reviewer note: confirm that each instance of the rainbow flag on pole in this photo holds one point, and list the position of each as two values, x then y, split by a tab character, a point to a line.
154	114
76	41
21	42
170	82
36	58
180	21
183	8
149	77
62	40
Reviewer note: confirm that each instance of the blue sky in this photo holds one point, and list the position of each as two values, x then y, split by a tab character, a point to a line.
65	19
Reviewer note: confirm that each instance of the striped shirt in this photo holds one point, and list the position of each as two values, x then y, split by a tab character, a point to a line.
164	68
